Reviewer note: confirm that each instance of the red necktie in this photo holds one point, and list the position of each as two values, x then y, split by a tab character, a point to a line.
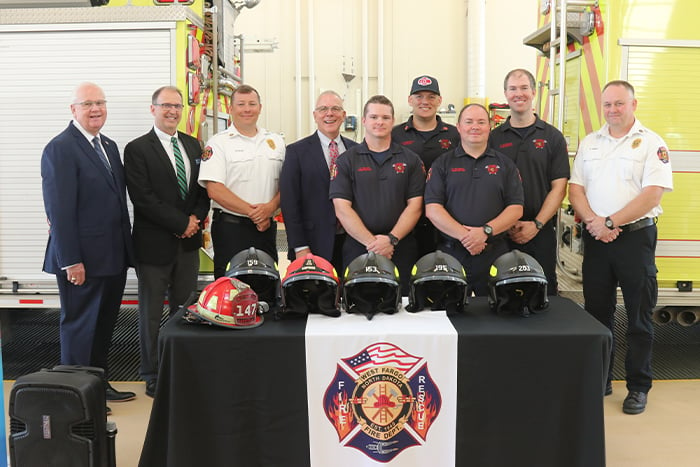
333	153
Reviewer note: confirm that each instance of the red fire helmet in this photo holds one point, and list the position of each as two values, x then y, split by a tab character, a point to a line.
311	286
230	303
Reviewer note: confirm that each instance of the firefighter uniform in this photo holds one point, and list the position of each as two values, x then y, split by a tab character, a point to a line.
474	191
613	171
541	155
379	194
429	145
250	168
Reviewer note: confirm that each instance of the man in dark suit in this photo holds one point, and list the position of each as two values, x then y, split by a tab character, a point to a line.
89	247
162	167
309	216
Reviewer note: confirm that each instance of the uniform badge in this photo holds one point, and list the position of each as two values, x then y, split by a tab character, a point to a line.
445	143
400	167
539	143
272	144
493	169
208	152
662	152
636	143
381	401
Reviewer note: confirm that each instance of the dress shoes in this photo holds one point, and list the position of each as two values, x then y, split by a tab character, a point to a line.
151	387
112	395
608	388
635	402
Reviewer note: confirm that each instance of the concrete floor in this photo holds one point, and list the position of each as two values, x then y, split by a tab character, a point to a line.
664	435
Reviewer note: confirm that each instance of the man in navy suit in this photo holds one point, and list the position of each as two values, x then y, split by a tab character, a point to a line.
309	216
89	247
162	167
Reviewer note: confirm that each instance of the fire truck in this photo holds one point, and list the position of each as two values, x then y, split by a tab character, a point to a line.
128	47
654	44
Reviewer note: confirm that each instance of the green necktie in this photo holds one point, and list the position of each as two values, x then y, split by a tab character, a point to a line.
180	169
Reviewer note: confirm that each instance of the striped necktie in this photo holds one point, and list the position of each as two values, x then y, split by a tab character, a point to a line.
180	169
101	154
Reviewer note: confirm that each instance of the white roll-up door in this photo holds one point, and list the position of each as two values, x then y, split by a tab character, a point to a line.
41	66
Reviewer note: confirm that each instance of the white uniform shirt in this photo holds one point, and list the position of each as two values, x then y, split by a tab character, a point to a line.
613	171
249	167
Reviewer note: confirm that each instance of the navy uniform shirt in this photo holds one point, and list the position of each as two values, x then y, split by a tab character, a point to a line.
438	141
379	192
473	191
541	156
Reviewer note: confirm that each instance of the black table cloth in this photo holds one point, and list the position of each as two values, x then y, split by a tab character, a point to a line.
530	392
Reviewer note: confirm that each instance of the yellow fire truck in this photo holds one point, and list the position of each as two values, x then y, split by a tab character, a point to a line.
128	47
655	45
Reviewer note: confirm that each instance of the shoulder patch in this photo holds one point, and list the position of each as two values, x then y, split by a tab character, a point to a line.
662	153
207	153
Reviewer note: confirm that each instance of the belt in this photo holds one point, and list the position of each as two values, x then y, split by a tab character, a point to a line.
223	216
640	224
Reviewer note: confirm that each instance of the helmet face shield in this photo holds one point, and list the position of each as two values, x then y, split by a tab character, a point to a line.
257	269
229	303
371	286
438	282
517	285
311	286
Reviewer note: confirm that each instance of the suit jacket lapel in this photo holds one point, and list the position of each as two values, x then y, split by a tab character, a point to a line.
318	156
163	157
92	155
194	154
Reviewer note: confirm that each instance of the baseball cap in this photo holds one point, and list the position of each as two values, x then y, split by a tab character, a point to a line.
425	83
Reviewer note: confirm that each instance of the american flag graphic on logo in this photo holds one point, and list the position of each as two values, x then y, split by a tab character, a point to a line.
382	354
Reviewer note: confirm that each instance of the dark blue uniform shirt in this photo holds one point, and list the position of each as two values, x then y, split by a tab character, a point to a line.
541	156
473	191
379	192
439	141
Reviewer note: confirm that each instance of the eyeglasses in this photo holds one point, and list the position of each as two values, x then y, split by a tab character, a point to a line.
335	109
88	104
170	106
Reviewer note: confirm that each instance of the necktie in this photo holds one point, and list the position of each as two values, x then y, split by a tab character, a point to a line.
101	154
333	153
180	169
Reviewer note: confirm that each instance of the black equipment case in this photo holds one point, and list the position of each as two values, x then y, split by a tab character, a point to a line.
58	418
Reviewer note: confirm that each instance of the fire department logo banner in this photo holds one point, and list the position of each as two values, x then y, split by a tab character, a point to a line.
382	391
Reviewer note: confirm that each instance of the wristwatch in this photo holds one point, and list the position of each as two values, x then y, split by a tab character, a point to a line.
392	239
609	223
488	230
538	224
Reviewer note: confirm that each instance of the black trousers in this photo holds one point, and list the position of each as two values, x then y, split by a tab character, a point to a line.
477	267
628	261
178	279
405	256
231	236
543	247
427	237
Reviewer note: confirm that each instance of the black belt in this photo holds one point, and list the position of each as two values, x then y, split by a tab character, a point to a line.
223	216
640	224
